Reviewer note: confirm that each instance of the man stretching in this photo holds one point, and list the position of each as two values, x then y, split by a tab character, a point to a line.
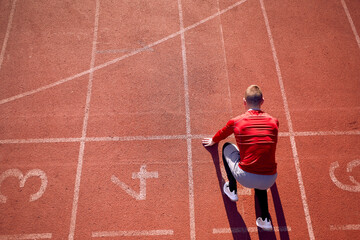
253	166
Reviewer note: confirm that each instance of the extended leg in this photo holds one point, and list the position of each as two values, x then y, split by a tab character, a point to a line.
263	202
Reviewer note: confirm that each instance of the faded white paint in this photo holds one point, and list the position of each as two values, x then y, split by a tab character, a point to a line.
142	175
18	174
346	187
132	233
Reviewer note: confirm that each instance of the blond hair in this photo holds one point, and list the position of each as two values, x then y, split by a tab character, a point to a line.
253	95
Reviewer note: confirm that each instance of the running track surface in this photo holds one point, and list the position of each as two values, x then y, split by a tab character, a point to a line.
103	105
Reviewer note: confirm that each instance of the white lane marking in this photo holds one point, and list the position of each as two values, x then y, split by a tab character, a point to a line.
348	227
132	233
8	28
289	122
188	126
39	140
142	175
327	133
142	44
136	138
84	128
97	139
350	166
224	53
162	137
248	229
18	174
26	236
21	95
351	22
111	51
28	93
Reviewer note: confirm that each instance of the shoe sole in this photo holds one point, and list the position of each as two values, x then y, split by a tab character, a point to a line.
264	229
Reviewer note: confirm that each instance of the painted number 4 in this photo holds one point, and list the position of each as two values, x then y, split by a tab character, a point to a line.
142	175
18	174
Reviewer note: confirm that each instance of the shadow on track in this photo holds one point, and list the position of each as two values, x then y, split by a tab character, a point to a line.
267	235
236	222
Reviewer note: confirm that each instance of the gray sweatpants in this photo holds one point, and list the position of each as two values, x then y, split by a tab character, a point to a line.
249	180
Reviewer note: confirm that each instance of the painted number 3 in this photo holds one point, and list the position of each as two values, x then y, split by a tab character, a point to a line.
32	173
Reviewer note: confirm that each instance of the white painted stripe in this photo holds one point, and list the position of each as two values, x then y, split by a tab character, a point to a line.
132	233
99	139
84	129
6	38
26	236
162	137
111	51
39	140
135	138
188	127
283	134
327	133
289	122
349	227
248	229
28	93
351	22
224	54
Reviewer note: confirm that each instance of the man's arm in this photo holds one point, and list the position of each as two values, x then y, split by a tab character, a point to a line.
220	135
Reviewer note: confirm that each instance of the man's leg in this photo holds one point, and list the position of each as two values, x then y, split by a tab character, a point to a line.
232	180
263	202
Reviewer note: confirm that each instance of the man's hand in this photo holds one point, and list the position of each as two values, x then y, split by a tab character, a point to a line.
207	142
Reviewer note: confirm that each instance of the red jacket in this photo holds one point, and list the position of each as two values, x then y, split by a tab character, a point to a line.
256	135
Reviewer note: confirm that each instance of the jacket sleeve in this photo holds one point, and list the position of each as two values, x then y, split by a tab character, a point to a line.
224	132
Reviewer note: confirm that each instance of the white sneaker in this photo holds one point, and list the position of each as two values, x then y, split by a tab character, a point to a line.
264	224
232	195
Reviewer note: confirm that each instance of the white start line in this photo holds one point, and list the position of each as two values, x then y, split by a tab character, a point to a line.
26	236
132	233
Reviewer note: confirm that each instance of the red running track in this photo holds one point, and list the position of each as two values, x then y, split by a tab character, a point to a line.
103	105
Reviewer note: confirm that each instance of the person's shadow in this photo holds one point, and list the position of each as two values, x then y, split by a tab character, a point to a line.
236	222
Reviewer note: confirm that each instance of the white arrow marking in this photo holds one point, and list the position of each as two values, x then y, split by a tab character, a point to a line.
17	173
142	175
350	166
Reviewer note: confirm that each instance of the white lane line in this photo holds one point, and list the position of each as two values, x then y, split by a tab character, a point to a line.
84	129
6	38
163	137
188	127
28	93
351	22
248	229
327	133
135	138
132	233
21	95
349	227
224	53
40	140
26	236
289	122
